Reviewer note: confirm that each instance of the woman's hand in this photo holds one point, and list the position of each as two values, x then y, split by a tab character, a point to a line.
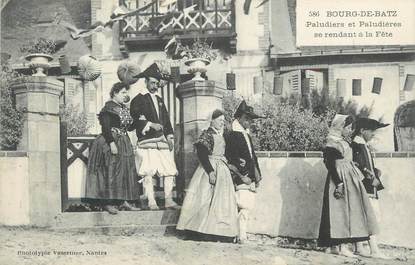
375	182
339	191
369	173
245	179
114	149
212	178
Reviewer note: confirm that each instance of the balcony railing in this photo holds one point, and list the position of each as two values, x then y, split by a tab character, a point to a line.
209	19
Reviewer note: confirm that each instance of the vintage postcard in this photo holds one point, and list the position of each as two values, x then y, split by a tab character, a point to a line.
207	131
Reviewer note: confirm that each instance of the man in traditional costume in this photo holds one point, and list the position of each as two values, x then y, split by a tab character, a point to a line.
243	163
364	132
154	156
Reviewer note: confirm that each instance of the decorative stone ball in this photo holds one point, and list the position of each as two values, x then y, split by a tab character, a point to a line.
89	68
126	72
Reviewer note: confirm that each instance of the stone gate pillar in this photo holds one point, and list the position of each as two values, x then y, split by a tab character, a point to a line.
197	100
39	98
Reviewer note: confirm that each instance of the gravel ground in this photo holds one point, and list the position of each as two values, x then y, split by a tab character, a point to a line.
68	248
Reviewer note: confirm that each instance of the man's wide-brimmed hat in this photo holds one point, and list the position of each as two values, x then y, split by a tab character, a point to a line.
243	108
369	124
153	71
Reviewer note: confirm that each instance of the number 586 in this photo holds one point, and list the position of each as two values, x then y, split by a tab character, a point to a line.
314	14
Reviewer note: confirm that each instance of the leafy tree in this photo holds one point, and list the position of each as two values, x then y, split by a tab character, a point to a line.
11	119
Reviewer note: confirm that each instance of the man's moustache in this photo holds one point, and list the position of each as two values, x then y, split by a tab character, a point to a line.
126	99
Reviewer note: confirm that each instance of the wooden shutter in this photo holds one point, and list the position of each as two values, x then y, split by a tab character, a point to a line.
341	88
409	82
74	93
357	87
316	80
377	85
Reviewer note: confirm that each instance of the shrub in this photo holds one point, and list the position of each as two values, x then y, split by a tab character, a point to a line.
287	127
42	45
322	103
289	124
11	119
200	49
76	121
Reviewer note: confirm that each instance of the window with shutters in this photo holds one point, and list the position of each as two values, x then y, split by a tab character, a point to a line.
301	82
316	79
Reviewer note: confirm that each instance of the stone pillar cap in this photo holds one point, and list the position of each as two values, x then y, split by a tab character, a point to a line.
37	84
200	88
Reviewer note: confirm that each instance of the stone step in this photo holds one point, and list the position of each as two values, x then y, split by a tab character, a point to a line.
123	218
125	230
148	223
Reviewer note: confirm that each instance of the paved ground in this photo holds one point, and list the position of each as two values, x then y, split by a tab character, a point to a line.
69	248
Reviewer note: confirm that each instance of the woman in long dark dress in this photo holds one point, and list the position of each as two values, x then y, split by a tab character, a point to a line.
111	175
210	205
347	215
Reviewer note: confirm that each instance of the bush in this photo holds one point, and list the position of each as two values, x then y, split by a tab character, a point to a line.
287	127
42	45
76	121
321	104
291	125
11	119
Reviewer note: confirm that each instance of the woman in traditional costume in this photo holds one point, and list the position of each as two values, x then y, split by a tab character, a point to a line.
347	215
111	175
210	203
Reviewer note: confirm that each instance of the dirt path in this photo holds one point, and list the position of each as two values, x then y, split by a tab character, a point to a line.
86	248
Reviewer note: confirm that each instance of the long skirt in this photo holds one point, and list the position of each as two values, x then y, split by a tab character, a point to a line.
210	209
112	177
349	219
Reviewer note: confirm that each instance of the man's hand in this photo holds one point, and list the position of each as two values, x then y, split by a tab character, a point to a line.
170	141
114	149
156	126
212	178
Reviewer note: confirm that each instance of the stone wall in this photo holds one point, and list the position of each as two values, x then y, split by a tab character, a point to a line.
14	188
289	199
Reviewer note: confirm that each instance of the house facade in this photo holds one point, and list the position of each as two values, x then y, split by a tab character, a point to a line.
380	77
242	40
258	47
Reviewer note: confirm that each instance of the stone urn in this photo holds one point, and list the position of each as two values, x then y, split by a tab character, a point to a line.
39	62
197	66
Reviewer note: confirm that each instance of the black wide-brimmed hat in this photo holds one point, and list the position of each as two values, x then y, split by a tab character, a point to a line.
243	108
153	71
369	124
